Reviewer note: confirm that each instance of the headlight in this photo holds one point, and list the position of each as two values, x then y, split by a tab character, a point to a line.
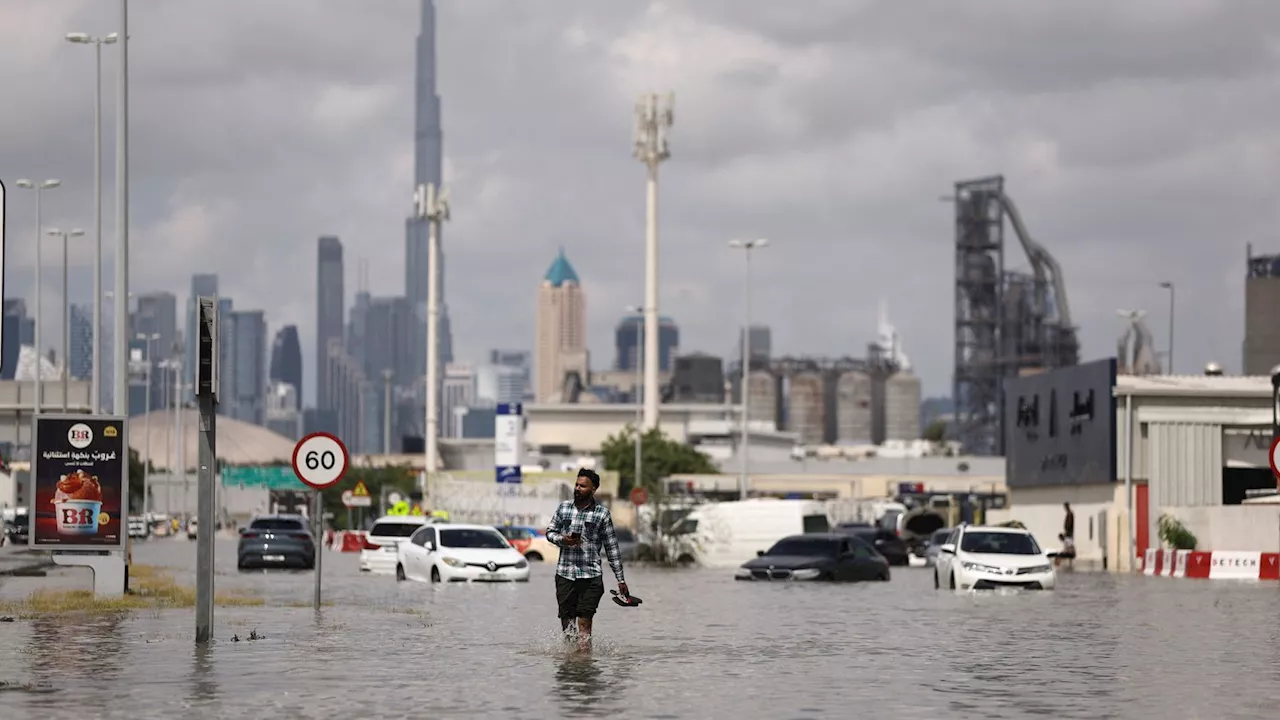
454	562
743	574
522	565
806	574
978	567
1037	569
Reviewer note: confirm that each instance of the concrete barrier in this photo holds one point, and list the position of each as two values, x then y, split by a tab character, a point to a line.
1215	565
345	540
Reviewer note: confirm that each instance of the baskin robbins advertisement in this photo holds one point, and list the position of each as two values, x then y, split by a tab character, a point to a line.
79	498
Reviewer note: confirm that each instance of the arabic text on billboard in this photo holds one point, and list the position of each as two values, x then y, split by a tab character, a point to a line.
78	472
1061	426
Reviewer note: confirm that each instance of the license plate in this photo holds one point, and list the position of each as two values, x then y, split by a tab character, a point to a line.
273	558
491	576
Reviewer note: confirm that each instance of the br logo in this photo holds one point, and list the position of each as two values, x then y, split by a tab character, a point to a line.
77	516
80	435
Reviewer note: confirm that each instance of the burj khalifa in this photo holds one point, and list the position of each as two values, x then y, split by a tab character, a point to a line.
428	167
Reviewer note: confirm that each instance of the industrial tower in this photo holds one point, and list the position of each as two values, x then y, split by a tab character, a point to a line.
1008	323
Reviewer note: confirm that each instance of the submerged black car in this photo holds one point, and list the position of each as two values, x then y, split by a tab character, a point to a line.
832	557
892	547
276	541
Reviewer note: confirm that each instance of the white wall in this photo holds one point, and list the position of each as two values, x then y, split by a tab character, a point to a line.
1099	512
1252	528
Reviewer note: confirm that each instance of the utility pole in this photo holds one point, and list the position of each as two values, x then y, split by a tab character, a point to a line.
432	204
744	482
206	391
654	116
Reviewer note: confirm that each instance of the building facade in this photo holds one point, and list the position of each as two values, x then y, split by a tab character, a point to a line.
286	361
330	309
629	342
561	343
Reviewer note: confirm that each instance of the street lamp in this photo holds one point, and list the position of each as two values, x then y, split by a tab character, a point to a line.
146	423
121	355
97	43
1169	286
746	246
66	311
39	188
639	311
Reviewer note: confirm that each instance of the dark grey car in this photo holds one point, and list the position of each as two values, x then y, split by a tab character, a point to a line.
276	541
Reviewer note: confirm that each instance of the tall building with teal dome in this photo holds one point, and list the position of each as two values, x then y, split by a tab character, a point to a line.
560	349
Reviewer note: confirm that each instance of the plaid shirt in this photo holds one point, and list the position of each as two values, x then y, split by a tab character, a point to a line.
595	526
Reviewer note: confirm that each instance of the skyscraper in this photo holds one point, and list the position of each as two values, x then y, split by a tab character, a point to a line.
80	354
561	345
19	329
286	361
428	168
329	312
629	342
243	385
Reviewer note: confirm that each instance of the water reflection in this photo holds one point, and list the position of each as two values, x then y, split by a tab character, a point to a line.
579	687
67	648
204	688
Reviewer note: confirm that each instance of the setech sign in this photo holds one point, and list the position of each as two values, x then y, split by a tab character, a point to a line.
1061	426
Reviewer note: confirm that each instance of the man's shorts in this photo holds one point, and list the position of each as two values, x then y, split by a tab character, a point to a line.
578	598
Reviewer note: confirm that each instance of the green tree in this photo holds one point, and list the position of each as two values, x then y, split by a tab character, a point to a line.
137	474
661	457
401	478
936	431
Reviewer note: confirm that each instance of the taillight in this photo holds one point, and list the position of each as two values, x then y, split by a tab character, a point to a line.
368	545
249	535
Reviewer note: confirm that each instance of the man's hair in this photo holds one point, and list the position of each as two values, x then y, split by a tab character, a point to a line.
590	475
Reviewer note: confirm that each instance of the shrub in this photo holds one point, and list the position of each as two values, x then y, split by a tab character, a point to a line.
1174	534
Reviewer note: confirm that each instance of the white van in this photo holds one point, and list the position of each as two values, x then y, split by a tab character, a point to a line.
728	534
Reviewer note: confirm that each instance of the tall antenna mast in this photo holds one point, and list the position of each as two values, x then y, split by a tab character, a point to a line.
654	116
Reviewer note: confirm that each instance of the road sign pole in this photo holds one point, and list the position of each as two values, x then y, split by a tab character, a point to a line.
207	397
319	543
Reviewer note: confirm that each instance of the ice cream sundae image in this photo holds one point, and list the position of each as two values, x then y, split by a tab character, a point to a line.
77	503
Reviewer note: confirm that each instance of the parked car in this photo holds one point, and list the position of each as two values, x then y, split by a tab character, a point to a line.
378	554
276	541
18	530
628	546
931	547
459	553
892	547
978	557
728	533
834	557
531	542
138	528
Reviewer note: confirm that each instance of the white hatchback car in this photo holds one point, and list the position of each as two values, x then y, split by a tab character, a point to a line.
378	555
460	553
977	557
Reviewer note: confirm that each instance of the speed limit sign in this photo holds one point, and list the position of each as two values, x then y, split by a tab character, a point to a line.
320	460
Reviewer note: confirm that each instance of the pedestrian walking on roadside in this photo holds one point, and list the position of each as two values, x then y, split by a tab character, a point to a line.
581	528
1069	522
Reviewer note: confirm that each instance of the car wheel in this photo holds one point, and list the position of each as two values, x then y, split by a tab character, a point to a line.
400	573
953	580
885	576
435	574
533	556
684	560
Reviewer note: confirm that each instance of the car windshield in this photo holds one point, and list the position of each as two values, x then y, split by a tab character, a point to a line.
277	524
999	543
393	529
807	547
470	538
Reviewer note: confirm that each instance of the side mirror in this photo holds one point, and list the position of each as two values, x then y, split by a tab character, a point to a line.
759	553
430	546
947	548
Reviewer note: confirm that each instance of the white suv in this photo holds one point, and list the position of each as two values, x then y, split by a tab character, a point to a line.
977	557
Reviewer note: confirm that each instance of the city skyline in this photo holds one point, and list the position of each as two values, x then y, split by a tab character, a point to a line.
1107	180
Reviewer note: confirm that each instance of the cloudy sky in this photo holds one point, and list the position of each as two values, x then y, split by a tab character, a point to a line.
1140	140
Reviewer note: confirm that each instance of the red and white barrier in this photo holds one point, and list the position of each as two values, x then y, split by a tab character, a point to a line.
1215	565
345	540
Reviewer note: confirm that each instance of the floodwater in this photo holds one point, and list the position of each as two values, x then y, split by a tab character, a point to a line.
702	646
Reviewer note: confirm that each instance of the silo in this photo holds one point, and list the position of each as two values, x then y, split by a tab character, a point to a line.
762	398
902	407
804	407
853	408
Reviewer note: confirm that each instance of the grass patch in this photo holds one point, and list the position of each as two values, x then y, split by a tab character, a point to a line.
150	588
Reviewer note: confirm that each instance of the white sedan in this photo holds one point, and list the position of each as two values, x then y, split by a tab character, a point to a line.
460	553
379	552
976	557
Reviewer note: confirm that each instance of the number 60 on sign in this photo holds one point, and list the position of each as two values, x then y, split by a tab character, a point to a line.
320	460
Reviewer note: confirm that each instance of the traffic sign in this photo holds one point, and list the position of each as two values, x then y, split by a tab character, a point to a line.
352	500
361	490
1275	466
639	496
320	460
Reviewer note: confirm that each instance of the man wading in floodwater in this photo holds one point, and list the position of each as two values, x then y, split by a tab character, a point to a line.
581	527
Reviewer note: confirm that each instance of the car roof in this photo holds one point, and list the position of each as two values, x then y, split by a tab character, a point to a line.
463	526
996	529
281	516
818	536
403	519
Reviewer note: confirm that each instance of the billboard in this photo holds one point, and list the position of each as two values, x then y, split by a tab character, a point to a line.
1060	426
79	499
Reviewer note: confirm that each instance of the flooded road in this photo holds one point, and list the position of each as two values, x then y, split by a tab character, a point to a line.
702	646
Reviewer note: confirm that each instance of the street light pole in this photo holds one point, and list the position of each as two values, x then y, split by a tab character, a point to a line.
95	393
146	423
66	312
39	188
122	222
1169	286
639	310
744	482
654	116
432	204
